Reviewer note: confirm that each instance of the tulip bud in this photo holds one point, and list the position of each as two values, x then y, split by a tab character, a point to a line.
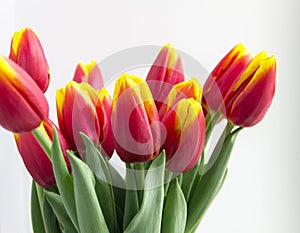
76	112
185	128
165	72
135	120
224	76
89	73
37	162
187	89
22	104
251	96
104	108
26	50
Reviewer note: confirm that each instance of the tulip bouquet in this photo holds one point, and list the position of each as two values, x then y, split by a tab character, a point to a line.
159	127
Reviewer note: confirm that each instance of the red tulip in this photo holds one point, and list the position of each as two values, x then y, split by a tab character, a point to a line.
187	89
23	105
89	73
185	127
26	50
135	120
165	72
37	162
104	108
76	112
251	96
224	76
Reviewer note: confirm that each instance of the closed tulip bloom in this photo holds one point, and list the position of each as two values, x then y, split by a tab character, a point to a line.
37	162
187	89
224	76
251	96
104	108
184	142
89	73
26	50
23	105
135	120
165	72
76	112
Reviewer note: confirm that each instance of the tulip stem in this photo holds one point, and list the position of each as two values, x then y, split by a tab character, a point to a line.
43	140
218	147
140	179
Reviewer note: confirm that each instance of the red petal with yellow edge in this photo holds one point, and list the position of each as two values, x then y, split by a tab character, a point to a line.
185	127
135	120
224	76
252	103
27	52
20	98
165	72
89	73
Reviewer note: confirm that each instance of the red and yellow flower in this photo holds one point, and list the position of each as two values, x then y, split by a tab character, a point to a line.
26	50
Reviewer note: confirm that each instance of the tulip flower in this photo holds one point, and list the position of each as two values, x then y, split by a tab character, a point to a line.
165	72
249	99
224	76
104	108
185	135
187	89
82	109
76	112
23	104
135	120
26	50
37	162
89	73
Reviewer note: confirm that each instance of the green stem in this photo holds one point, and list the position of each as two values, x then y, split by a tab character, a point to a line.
43	139
168	178
215	154
140	179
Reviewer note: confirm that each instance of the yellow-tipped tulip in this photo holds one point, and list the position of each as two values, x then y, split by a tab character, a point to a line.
251	96
23	104
26	50
185	135
224	76
165	72
187	89
89	73
135	120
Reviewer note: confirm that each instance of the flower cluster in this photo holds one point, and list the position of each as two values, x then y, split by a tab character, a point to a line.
143	118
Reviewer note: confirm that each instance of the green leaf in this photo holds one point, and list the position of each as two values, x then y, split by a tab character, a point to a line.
191	177
148	219
175	210
209	184
36	214
131	197
50	220
103	187
57	205
64	180
89	213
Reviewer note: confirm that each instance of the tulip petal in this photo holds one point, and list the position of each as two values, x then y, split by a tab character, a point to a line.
252	103
21	99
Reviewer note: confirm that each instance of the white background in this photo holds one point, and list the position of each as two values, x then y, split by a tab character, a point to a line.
261	193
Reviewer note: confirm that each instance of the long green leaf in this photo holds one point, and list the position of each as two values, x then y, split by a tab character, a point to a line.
89	213
131	197
175	210
148	219
57	205
50	220
36	214
103	186
64	180
209	185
